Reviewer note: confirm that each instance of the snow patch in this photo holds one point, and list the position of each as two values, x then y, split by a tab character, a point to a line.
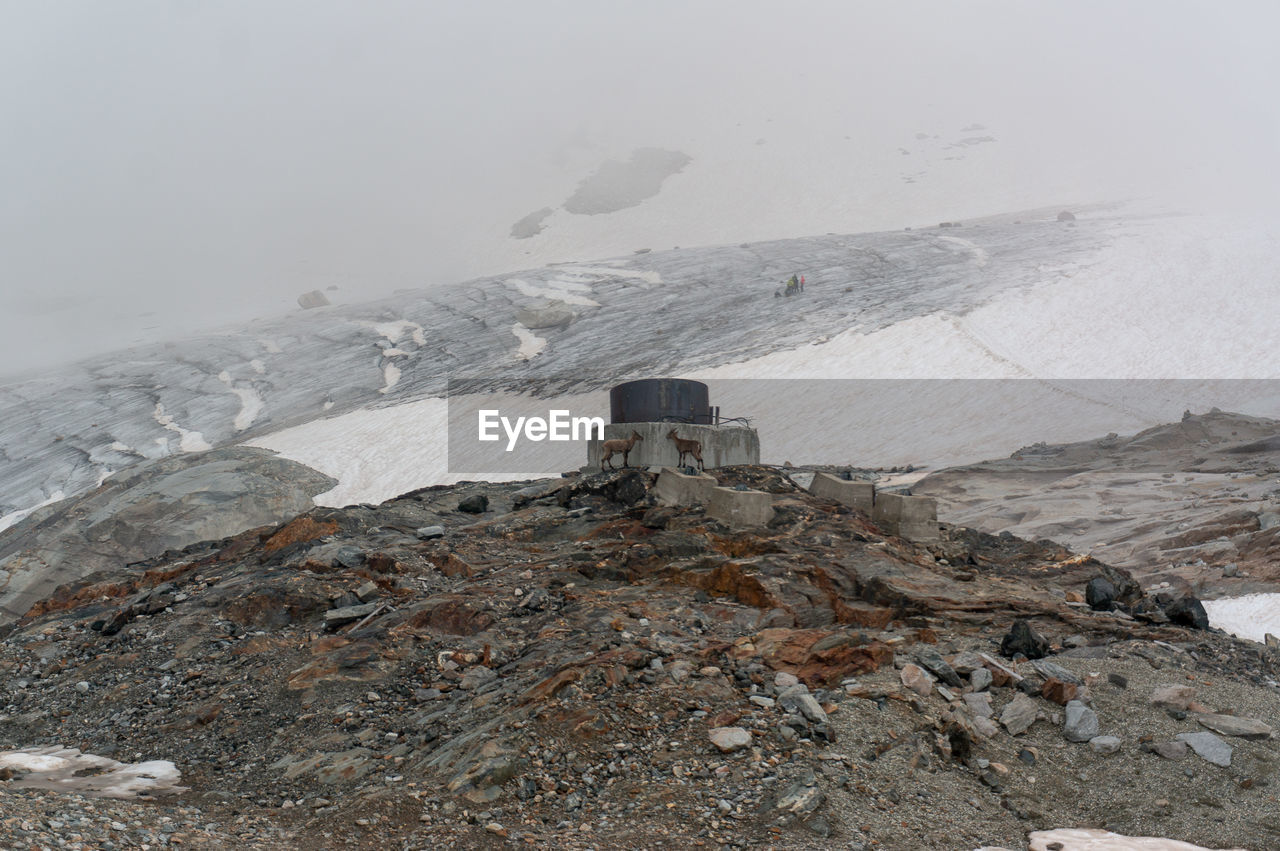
390	378
69	770
394	331
531	345
190	441
646	275
1251	616
556	289
251	403
1076	839
271	346
979	254
375	454
21	514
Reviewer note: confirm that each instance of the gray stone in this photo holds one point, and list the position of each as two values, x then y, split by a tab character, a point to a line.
1208	747
312	300
1170	750
347	614
985	727
979	704
349	557
730	739
1104	744
428	533
784	680
1081	724
980	679
1230	725
1173	696
812	710
931	661
802	797
367	592
1019	714
966	663
1053	671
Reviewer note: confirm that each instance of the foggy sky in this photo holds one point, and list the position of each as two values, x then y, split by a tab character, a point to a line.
172	166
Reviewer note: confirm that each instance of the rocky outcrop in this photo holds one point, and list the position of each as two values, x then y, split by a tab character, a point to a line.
142	512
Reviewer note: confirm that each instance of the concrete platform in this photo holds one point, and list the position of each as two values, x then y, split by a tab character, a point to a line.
912	517
676	488
740	508
722	446
859	495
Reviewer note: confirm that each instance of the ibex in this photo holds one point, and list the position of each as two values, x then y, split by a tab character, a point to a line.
610	447
687	447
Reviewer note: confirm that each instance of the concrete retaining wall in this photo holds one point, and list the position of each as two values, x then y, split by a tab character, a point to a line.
859	495
740	508
722	446
675	488
912	517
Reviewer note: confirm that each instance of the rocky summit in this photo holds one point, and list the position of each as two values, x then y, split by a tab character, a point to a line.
566	663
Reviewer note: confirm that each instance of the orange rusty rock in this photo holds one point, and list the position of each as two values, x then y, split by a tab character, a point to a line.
724	718
820	657
450	565
552	685
451	615
298	530
1058	691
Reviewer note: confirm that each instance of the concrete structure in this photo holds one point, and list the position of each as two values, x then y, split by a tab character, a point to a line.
859	495
912	517
722	446
740	508
675	488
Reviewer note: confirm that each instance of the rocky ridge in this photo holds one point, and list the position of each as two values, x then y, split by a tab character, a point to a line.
573	664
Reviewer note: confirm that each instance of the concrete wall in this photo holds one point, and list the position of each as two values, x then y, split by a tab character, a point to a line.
912	517
722	446
859	495
675	488
740	508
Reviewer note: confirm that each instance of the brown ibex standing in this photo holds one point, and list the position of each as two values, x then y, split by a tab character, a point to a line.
687	447
610	447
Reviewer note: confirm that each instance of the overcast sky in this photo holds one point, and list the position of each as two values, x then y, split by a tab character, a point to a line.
169	166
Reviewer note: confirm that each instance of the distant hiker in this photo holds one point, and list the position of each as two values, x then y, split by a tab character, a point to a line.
802	283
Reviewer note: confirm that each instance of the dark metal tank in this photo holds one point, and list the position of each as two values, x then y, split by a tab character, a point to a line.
655	400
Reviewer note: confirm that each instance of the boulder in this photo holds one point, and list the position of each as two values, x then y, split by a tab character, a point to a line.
915	678
730	739
1174	696
477	503
1230	725
1020	714
1100	594
1023	640
1081	722
1208	747
1186	611
312	300
1104	744
550	314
